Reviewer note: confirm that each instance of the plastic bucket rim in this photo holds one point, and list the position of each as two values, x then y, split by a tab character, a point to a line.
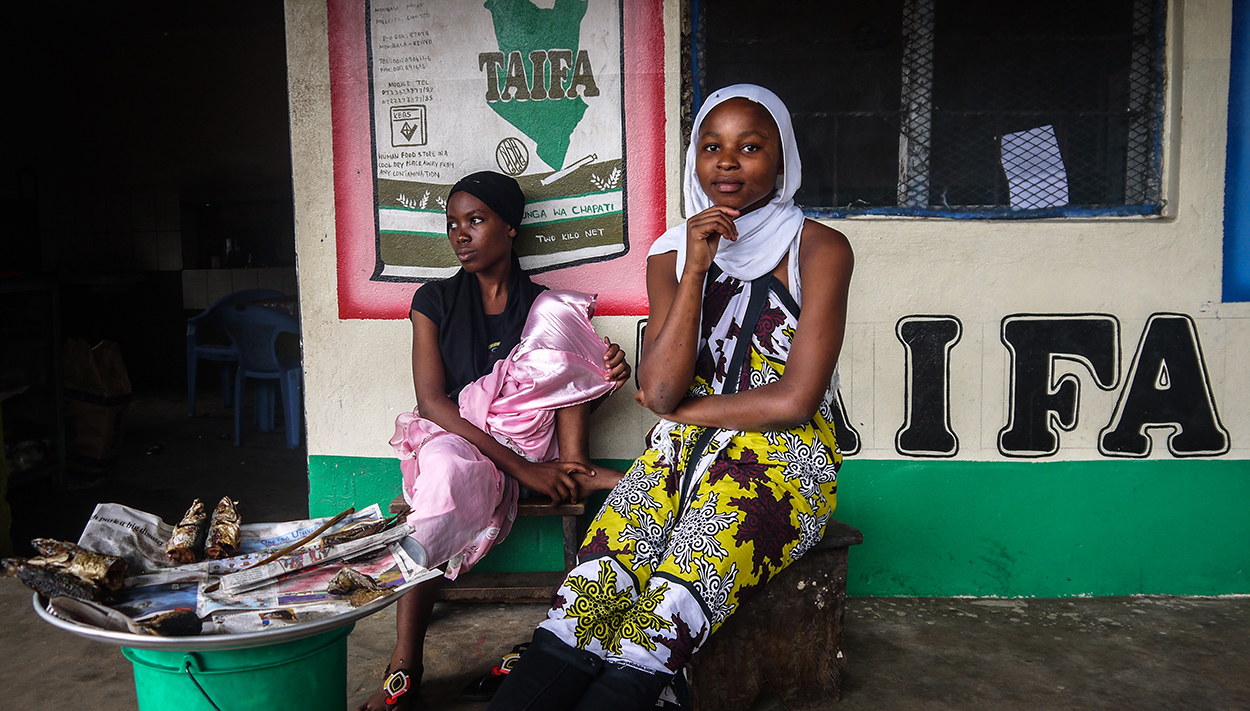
331	637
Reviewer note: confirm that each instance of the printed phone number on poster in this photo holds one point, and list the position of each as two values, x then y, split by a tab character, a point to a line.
401	68
408	91
416	58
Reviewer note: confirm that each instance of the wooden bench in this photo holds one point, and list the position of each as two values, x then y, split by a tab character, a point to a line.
537	586
789	636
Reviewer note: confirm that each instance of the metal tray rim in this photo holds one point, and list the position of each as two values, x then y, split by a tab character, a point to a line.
214	642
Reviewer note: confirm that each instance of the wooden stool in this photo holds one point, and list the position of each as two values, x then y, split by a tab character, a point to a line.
789	636
516	587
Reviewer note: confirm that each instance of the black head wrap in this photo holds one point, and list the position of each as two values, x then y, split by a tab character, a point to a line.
455	304
500	193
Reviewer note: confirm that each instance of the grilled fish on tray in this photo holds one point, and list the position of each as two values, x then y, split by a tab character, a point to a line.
64	569
353	532
223	531
187	542
357	587
179	623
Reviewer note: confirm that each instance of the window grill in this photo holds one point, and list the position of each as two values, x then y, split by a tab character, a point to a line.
954	108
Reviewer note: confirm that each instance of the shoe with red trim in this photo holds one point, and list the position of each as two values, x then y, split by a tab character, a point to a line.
484	687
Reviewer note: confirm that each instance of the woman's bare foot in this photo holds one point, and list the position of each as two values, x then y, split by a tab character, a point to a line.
399	687
412	621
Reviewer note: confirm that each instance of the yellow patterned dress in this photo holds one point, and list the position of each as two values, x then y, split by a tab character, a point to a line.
705	516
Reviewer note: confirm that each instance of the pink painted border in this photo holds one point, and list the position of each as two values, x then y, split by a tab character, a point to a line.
360	298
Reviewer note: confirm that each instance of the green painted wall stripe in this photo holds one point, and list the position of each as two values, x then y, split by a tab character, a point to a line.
535	543
334	483
947	528
1048	529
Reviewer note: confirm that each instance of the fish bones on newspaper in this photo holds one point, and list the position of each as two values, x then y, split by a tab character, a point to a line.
64	569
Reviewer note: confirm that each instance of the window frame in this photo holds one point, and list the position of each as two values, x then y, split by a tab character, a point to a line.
1153	102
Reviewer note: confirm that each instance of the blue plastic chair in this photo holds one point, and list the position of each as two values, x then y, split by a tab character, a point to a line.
200	332
257	333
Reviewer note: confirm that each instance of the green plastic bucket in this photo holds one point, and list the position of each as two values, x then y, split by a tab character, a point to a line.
309	674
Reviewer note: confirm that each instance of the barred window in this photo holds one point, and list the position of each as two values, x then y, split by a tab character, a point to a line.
953	108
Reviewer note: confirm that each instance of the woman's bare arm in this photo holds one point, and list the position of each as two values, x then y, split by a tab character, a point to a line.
666	365
553	478
825	262
671	346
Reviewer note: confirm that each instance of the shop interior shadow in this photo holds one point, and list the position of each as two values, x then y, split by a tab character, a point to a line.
168	459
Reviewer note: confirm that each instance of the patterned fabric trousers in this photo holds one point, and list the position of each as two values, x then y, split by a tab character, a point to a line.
673	553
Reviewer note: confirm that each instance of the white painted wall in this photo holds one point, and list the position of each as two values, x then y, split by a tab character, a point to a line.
358	375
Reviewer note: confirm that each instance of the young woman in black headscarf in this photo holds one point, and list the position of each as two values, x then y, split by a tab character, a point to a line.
506	375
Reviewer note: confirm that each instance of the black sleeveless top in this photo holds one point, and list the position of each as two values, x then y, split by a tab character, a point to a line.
464	337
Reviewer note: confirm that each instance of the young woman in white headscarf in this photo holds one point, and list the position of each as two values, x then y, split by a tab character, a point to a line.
740	474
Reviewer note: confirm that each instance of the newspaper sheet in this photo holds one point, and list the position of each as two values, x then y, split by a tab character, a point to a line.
307	557
289	590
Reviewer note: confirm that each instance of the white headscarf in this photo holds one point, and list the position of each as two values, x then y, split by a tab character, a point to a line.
765	234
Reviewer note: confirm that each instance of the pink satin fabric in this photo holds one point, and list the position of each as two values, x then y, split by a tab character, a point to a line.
462	504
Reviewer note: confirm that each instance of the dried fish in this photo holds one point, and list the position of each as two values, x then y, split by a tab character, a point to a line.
223	531
63	568
349	579
187	542
357	587
179	623
360	529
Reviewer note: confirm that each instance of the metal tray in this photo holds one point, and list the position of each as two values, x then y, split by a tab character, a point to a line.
210	642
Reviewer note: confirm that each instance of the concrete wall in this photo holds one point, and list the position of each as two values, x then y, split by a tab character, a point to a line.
1082	514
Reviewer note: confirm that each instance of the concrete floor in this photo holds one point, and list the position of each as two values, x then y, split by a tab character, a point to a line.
902	653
